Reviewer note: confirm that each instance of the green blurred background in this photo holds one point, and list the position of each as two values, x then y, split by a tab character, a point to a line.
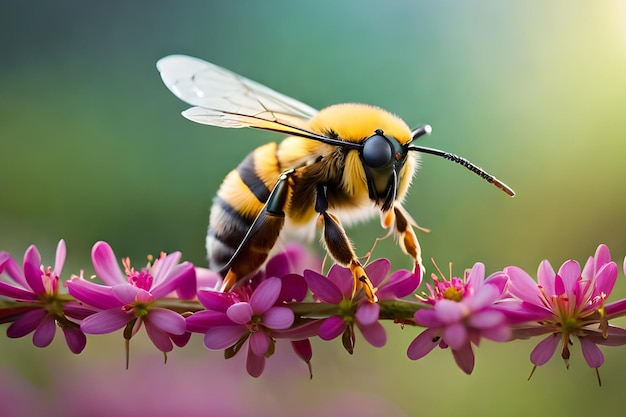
93	147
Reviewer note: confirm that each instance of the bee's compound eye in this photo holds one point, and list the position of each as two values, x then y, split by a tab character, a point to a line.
377	151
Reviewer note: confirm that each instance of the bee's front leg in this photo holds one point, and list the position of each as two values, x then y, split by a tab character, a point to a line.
403	224
261	236
339	247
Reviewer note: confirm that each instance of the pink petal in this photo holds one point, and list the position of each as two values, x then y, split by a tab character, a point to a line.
602	257
259	343
16	293
606	278
32	270
187	283
545	277
159	338
423	344
323	288
166	320
127	293
26	323
483	297
378	270
476	277
162	268
343	280
99	296
331	328
427	317
294	288
207	279
615	309
14	271
455	335
400	284
500	333
60	258
522	311
214	300
570	273
450	311
182	279
75	339
219	338
367	313
374	334
498	280
105	264
616	337
44	333
544	350
265	295
77	310
181	340
486	319
464	358
278	318
240	313
522	285
201	321
309	328
592	353
255	364
106	321
589	269
303	349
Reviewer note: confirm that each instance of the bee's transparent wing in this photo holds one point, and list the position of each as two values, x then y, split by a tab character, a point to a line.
223	98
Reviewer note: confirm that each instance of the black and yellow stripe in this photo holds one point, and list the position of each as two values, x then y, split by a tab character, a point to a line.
240	199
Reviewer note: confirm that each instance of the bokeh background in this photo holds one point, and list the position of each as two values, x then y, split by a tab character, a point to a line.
92	147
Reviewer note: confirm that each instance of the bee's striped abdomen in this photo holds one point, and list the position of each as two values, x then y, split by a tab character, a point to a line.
240	199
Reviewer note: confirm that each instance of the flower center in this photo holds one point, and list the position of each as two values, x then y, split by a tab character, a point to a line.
50	281
452	294
142	279
254	325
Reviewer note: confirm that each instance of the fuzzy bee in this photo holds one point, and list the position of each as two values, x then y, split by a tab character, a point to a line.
341	164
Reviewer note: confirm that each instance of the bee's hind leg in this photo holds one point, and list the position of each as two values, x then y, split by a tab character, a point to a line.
339	247
261	236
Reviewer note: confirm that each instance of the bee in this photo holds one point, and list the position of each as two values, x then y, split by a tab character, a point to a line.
337	166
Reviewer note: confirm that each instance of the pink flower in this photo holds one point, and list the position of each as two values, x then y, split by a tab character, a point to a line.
337	289
45	308
230	320
464	311
130	298
570	302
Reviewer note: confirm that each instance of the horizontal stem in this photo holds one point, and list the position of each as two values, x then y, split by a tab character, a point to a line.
400	311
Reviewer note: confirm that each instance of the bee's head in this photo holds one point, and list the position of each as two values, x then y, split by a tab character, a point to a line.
381	139
383	158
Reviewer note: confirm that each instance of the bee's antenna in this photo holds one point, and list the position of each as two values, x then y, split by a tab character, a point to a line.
421	131
426	129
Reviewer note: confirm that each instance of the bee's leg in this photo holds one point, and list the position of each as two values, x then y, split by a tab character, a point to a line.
339	246
403	223
261	236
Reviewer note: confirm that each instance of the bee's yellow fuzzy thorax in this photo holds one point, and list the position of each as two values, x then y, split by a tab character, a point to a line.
355	122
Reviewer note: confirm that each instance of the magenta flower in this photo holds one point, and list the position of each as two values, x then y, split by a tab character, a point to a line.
45	308
464	311
230	321
337	289
570	302
130	298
